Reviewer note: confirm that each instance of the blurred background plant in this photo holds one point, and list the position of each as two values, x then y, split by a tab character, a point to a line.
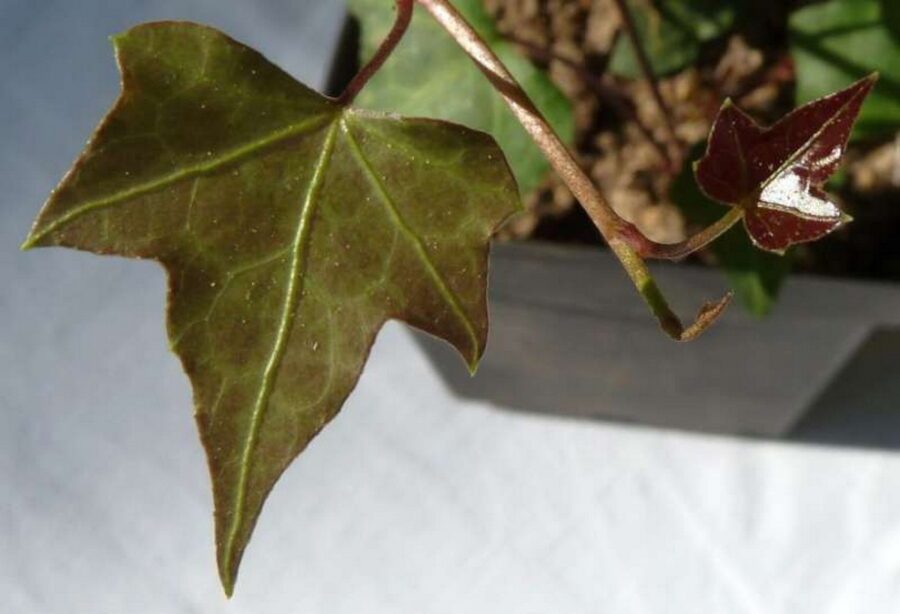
578	61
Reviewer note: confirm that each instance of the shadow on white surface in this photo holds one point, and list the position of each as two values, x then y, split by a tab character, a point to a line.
411	501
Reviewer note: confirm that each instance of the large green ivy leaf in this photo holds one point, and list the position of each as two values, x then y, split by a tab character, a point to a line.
671	32
843	40
428	75
291	229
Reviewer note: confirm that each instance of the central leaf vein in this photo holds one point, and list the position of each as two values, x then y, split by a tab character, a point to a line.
288	314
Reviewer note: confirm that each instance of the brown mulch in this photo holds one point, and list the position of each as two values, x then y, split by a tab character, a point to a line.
622	141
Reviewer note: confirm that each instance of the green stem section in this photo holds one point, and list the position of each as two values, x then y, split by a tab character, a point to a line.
656	301
619	234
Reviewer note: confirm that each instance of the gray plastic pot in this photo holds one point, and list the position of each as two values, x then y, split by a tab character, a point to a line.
569	336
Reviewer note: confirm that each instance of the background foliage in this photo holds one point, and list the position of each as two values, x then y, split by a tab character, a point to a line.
808	50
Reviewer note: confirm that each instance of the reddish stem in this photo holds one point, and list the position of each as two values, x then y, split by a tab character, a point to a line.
624	239
630	233
561	159
619	103
613	228
401	24
652	250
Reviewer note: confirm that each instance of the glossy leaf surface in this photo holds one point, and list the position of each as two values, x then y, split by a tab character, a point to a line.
776	174
291	229
429	75
755	276
838	41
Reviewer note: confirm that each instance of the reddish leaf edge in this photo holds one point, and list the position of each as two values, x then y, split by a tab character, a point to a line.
866	84
36	235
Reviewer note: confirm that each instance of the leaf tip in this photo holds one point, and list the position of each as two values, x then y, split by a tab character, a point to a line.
473	365
31	241
228	587
709	313
37	237
116	39
228	577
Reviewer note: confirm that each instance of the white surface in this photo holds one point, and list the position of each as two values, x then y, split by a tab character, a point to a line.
410	501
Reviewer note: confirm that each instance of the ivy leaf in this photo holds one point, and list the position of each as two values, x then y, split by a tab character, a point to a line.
671	33
428	75
841	40
291	229
755	275
776	174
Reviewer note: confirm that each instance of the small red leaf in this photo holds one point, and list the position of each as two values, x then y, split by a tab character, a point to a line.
776	174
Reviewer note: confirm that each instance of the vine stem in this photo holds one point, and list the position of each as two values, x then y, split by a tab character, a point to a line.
401	24
647	70
602	90
639	242
561	159
646	248
623	238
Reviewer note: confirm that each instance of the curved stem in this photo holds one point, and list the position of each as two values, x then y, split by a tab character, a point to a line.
401	24
614	229
646	248
562	161
653	296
